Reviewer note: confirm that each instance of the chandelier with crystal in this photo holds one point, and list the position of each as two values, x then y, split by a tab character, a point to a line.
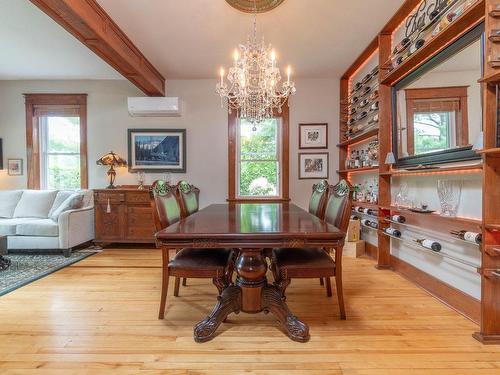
254	87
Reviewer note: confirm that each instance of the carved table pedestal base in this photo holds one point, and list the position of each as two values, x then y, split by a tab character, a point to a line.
251	294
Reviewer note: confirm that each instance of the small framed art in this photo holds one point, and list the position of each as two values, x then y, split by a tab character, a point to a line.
313	136
313	165
157	150
15	167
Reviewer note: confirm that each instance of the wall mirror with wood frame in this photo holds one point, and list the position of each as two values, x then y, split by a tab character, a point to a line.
437	109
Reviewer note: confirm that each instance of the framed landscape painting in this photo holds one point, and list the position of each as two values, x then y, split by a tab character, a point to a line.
313	136
157	150
313	166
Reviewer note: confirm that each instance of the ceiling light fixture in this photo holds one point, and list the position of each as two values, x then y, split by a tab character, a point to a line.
254	88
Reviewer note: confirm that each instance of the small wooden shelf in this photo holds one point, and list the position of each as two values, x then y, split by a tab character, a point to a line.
490	151
360	138
473	168
492	227
435	217
358	170
373	206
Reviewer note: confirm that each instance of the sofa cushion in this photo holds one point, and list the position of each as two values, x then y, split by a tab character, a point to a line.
73	202
38	227
8	226
35	203
8	202
61	196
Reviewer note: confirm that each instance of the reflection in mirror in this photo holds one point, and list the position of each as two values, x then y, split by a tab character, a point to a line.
440	109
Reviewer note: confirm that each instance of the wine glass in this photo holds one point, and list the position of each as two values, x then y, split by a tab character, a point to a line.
141	177
449	192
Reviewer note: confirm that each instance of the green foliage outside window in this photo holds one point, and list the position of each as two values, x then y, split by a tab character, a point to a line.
431	132
259	169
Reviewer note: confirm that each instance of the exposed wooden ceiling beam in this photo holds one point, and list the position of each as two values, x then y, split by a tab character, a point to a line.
88	22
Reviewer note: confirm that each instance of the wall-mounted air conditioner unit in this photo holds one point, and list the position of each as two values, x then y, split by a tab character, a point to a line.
154	107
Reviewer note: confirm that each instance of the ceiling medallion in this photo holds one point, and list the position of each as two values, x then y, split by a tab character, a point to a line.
254	87
249	6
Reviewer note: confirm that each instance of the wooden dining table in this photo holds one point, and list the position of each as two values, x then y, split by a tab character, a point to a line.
251	228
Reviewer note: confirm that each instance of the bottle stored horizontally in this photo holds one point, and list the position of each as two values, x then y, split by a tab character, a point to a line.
369	211
429	244
355	217
397	218
393	232
369	223
468	236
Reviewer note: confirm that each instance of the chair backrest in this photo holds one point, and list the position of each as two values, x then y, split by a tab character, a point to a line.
189	198
164	204
319	196
338	207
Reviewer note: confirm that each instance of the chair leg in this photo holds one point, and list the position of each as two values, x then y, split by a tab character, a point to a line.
338	281
184	281
328	287
321	282
340	294
176	286
164	285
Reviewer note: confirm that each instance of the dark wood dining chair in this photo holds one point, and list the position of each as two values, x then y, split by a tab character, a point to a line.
308	263
216	264
189	200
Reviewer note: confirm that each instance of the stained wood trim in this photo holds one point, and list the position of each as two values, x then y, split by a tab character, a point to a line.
453	94
285	158
33	133
454	298
90	24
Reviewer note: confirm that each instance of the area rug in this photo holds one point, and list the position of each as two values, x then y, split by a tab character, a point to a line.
26	268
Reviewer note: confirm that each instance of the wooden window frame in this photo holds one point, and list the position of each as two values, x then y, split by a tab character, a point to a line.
284	117
32	101
456	93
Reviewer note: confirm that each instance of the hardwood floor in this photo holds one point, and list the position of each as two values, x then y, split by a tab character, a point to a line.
100	316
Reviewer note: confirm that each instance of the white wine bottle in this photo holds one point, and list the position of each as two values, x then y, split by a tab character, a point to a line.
393	232
397	218
468	236
429	244
369	223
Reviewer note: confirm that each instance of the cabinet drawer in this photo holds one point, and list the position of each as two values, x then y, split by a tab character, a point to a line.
103	197
140	196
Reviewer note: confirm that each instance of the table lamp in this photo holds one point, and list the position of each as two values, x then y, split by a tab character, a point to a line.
113	160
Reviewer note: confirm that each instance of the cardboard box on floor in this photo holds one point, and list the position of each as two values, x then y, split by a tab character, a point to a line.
353	231
354	249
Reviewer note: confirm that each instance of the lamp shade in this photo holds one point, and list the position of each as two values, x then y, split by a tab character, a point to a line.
112	159
390	159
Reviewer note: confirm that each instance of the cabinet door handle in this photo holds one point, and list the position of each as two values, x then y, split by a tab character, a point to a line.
108	208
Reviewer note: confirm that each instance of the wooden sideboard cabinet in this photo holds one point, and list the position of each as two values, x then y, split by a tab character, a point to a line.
123	215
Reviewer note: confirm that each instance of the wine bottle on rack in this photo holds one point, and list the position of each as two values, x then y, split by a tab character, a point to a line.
401	45
468	236
397	218
369	211
354	217
369	223
393	232
358	209
429	244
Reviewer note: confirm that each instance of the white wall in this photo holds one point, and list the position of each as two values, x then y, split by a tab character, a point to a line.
203	118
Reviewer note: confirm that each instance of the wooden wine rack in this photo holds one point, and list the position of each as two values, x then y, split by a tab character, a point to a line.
486	311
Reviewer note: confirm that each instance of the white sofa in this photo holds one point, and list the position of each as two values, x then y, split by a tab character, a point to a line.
46	219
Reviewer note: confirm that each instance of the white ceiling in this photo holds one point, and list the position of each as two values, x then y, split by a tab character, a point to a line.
33	46
194	38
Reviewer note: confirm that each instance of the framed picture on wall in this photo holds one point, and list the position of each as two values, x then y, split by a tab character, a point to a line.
313	136
15	167
157	150
313	165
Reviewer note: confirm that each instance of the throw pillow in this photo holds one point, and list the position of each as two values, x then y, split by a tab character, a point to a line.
35	203
8	202
73	202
